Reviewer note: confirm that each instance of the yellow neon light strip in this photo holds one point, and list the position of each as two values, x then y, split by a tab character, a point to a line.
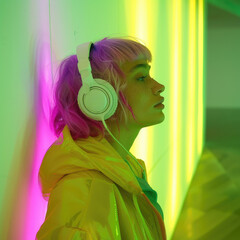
176	106
192	111
200	76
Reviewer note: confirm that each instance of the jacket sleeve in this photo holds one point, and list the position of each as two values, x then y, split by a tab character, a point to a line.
81	208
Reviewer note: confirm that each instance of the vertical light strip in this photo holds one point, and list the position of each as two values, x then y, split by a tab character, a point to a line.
200	76
149	35
141	28
175	107
191	140
141	20
140	16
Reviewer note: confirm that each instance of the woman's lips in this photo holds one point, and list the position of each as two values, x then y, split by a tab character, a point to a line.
161	101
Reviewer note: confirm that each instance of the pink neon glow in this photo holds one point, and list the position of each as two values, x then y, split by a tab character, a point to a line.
36	206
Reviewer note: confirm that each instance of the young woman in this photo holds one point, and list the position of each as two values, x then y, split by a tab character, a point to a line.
95	190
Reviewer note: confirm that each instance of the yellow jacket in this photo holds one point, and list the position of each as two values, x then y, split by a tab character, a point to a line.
92	194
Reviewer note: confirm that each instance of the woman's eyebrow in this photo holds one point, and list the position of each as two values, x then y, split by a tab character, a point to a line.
142	65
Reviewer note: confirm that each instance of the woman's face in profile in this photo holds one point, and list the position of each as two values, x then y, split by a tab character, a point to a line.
142	93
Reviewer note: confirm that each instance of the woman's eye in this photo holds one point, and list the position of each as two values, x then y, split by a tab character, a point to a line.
142	78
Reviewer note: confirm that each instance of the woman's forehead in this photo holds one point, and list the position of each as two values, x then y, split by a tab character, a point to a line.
128	65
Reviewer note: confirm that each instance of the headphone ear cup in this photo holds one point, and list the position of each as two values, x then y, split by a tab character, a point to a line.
98	100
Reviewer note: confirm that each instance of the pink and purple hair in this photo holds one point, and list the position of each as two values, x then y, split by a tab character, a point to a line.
105	58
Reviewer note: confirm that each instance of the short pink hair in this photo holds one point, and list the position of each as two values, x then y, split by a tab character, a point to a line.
105	57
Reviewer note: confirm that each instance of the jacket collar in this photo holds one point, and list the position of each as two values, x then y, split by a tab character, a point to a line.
66	156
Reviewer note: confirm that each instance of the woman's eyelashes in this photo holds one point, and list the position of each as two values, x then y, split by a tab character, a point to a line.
141	78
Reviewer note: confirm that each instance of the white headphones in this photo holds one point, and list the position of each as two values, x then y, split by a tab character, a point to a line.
97	98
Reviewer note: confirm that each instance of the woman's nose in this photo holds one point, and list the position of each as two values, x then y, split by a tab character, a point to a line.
159	88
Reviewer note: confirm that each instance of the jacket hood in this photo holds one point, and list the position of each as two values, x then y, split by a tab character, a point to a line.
66	156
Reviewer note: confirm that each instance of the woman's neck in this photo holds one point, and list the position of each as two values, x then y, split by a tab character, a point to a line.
126	138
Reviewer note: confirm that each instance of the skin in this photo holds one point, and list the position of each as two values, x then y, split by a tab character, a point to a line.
142	94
